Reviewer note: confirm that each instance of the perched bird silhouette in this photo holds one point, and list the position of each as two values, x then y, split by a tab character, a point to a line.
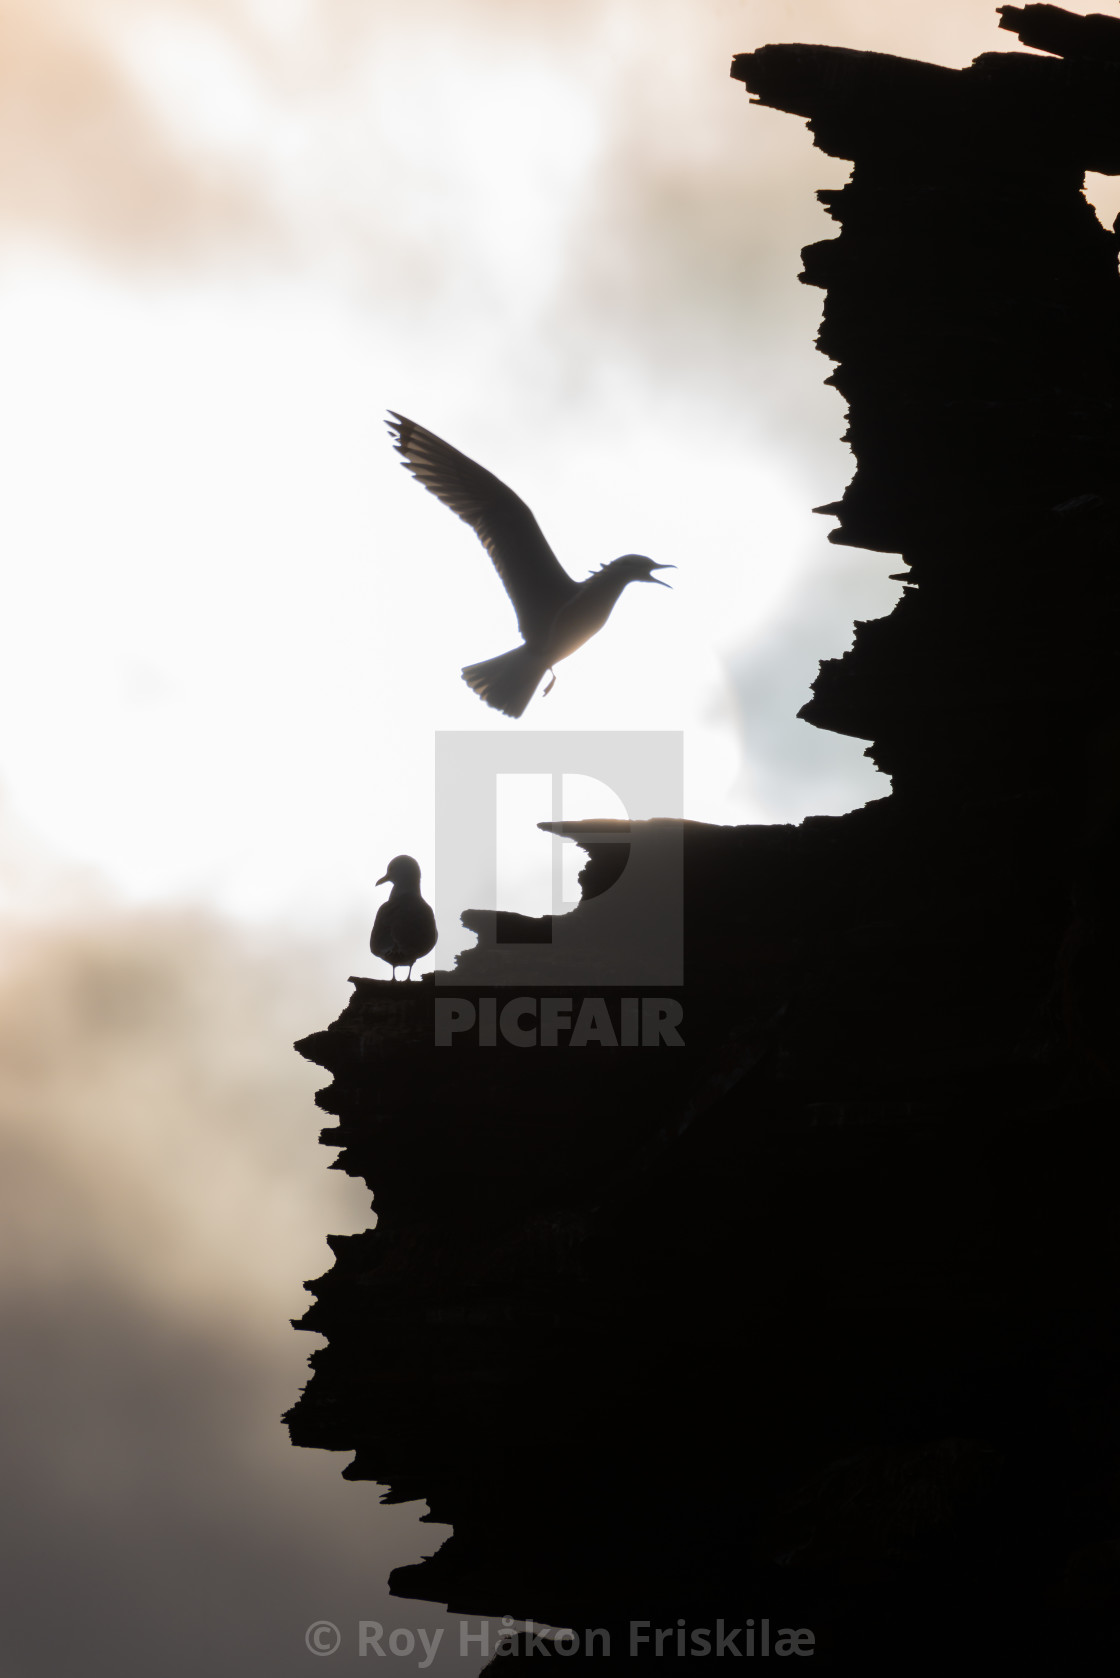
554	613
404	928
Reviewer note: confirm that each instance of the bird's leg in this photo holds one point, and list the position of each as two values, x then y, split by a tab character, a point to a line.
410	971
551	684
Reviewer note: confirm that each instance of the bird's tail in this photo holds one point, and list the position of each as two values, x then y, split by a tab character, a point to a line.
507	682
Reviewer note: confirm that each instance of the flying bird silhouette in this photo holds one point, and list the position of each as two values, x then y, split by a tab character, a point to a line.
404	928
554	614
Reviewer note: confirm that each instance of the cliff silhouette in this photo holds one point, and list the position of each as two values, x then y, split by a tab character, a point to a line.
812	1319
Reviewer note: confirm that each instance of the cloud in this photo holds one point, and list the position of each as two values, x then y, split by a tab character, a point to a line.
396	142
559	235
683	253
158	1128
156	1517
162	1198
790	767
83	154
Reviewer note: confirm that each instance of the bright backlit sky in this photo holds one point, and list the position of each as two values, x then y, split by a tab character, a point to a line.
232	234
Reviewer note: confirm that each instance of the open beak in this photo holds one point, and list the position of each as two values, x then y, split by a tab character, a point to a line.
659	579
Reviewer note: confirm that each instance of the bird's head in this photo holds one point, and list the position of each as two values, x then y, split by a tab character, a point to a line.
636	568
402	871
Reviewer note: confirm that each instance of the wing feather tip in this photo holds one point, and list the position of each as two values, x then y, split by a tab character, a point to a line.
399	428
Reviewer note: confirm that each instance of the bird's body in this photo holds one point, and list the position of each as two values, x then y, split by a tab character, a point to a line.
555	614
404	928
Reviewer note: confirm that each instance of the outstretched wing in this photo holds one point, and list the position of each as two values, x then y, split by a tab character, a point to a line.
534	579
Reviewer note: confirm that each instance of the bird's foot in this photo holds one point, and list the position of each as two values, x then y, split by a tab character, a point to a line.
551	684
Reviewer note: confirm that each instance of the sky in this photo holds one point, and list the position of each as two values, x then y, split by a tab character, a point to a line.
233	233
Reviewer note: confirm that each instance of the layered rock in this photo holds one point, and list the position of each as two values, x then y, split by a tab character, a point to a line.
811	1317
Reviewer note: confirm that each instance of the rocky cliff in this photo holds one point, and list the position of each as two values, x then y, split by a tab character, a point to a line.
803	1310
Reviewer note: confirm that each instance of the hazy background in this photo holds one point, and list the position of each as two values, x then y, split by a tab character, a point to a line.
232	233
